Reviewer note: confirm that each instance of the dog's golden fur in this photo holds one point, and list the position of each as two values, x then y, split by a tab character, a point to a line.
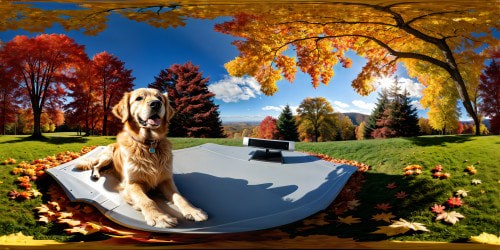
145	114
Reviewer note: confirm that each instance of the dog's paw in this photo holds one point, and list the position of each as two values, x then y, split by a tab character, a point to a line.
161	220
95	175
196	214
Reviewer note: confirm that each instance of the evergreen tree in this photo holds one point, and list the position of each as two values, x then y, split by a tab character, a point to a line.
399	117
377	113
196	114
287	125
409	122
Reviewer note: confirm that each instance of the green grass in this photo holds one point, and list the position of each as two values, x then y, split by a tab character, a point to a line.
387	159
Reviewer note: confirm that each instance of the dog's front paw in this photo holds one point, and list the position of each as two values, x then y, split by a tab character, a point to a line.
161	220
196	214
95	175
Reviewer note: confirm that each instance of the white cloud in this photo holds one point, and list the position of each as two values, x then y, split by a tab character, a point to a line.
368	106
340	104
417	104
414	88
235	89
272	108
280	108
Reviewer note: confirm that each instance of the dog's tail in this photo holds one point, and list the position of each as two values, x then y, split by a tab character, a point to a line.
86	164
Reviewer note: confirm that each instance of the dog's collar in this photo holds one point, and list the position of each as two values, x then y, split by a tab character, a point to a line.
151	143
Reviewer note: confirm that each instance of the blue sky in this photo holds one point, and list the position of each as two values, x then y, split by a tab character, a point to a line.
147	50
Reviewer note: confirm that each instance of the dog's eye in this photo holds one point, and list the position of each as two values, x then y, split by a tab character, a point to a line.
139	98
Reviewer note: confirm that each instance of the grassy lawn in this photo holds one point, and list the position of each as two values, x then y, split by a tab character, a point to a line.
387	159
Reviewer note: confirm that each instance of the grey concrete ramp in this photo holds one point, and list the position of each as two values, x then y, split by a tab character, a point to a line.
238	194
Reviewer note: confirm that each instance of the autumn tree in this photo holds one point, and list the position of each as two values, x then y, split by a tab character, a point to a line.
287	125
360	131
268	128
444	34
441	35
346	128
113	80
41	65
8	98
316	114
425	128
489	90
196	114
85	110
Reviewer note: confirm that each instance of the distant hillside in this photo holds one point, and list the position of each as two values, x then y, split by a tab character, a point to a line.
237	127
356	118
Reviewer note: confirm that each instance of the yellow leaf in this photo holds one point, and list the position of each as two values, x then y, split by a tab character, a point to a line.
486	238
349	220
35	193
383	216
64	215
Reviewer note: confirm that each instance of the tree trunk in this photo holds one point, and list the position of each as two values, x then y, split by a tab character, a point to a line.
104	124
37	132
459	83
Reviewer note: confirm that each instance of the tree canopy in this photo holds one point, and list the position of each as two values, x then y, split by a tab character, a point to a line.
449	39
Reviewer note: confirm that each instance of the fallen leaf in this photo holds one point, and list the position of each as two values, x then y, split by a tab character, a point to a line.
383	216
383	206
451	217
391	185
461	192
454	202
437	168
352	204
401	195
400	227
476	182
349	220
438	208
70	222
13	194
486	238
35	193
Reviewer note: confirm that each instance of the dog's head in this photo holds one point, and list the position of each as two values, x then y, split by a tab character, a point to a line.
144	109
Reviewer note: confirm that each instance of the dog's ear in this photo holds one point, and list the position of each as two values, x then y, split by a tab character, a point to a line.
122	109
170	112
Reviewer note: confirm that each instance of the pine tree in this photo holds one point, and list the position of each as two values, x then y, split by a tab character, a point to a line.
377	113
287	125
409	117
398	117
196	114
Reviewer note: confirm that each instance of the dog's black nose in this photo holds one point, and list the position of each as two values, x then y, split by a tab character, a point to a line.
155	104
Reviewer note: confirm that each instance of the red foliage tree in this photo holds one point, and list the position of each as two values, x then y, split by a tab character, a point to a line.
460	128
268	128
113	80
489	91
41	65
196	114
8	101
85	110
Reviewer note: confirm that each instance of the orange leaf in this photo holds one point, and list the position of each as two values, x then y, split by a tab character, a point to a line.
349	220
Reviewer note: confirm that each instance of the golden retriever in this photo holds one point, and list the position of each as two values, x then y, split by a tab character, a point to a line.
142	157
